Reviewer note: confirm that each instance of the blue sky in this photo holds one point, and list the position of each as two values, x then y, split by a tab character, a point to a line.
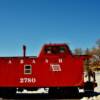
35	22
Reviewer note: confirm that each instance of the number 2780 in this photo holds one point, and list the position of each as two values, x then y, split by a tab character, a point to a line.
27	80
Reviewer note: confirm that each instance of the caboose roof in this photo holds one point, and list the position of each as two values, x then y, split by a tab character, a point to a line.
17	57
54	44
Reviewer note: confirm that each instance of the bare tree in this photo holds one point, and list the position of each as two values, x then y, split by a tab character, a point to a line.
78	51
87	52
98	42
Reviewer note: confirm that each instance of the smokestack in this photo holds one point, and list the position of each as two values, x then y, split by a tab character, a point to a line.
24	50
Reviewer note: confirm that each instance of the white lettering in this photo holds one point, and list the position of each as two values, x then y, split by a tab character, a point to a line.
27	80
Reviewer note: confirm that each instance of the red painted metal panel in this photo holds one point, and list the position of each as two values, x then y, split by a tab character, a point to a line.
68	70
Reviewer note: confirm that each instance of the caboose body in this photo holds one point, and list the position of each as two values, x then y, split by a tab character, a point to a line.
54	67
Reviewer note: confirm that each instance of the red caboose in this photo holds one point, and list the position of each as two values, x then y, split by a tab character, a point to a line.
55	67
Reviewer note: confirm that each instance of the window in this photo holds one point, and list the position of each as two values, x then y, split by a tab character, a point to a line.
62	49
54	49
27	69
48	50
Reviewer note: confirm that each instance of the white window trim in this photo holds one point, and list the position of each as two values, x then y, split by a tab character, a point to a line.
29	69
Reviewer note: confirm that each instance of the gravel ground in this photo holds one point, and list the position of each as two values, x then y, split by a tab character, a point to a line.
91	98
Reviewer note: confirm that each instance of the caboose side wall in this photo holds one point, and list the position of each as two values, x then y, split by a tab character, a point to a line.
72	67
12	72
12	69
47	70
7	72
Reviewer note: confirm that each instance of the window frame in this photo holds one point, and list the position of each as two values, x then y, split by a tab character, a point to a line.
30	69
58	50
